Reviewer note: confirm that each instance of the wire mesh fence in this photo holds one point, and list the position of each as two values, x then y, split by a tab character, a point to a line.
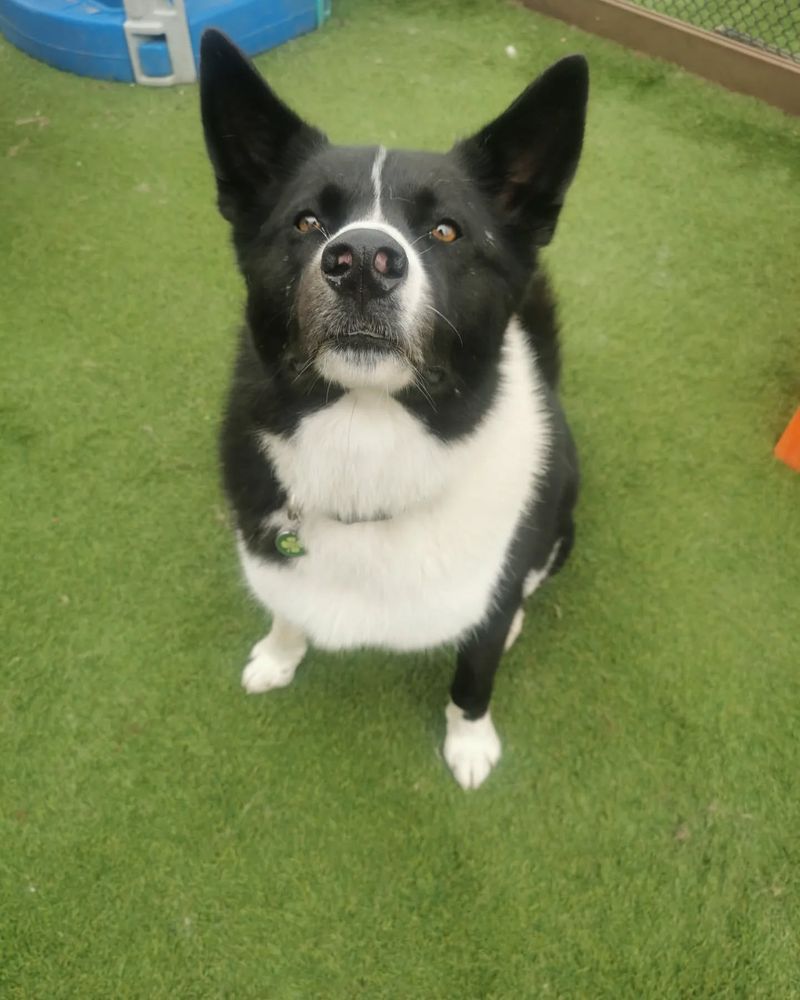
769	25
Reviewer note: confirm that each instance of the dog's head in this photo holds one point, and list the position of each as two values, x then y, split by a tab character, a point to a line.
388	268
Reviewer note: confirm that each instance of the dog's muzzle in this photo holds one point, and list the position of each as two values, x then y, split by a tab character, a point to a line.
364	265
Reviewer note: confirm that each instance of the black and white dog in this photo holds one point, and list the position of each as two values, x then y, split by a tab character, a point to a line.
398	465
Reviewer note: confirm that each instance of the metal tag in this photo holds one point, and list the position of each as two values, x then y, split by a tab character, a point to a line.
288	543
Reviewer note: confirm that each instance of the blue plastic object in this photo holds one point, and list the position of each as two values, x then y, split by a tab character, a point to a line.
88	36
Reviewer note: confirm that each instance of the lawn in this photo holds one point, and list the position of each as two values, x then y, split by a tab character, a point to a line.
164	836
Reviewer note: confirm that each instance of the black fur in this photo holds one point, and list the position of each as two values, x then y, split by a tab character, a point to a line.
504	187
548	525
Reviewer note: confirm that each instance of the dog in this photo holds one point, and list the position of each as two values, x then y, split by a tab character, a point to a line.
398	466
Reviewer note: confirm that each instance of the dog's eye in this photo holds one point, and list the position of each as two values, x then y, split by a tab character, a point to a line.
306	221
445	231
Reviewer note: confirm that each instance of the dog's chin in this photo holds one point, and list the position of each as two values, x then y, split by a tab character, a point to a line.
363	362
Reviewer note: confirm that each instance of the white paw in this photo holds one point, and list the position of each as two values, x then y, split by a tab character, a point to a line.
471	748
271	665
514	629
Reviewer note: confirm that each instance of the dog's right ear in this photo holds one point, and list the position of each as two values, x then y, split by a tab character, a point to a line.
526	159
253	138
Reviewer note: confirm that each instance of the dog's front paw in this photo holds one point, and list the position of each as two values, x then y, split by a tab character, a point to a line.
471	747
272	664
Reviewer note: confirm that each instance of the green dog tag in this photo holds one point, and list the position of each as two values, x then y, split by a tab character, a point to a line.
288	544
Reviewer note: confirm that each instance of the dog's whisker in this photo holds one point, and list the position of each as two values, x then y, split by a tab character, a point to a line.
419	382
305	367
426	395
442	315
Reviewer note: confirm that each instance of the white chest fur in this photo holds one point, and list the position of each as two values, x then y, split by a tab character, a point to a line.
425	575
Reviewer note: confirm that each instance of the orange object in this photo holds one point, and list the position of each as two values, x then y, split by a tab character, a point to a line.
788	448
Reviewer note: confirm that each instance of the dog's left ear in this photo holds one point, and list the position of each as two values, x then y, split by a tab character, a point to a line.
253	138
527	157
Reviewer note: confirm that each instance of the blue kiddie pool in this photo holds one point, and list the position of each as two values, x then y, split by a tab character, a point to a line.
156	42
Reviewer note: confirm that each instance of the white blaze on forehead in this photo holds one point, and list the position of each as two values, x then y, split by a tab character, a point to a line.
377	180
411	300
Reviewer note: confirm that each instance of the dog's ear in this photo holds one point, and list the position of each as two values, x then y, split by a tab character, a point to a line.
253	138
526	158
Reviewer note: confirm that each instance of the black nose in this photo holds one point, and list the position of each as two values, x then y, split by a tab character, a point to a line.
364	264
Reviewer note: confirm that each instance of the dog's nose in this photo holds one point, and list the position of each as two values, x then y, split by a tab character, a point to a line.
364	264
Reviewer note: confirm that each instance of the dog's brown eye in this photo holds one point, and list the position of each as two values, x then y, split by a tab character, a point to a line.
306	222
445	231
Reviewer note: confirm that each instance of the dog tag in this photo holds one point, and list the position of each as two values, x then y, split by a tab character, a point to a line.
288	544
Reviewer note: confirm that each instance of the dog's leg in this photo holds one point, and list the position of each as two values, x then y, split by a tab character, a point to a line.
275	658
472	746
514	629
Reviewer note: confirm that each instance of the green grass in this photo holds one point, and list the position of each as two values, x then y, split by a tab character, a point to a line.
164	836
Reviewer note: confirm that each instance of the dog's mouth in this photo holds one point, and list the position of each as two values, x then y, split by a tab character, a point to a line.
362	340
358	347
363	357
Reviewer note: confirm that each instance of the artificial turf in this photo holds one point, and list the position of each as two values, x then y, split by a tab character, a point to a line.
162	834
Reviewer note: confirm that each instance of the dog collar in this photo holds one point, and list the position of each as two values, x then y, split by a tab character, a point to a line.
288	542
